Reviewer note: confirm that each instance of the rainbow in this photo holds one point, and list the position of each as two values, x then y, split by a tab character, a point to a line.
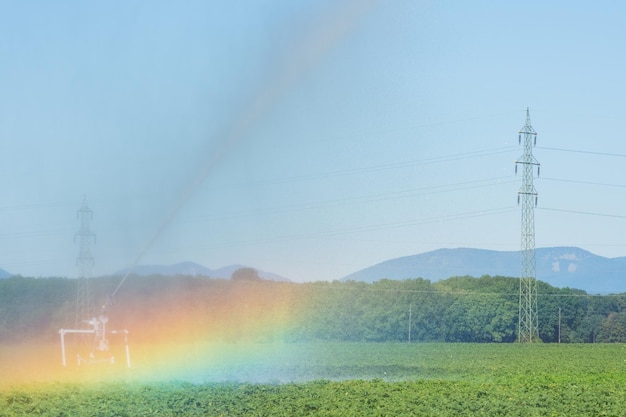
197	330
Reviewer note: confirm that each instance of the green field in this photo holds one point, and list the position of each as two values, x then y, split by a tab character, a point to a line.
344	379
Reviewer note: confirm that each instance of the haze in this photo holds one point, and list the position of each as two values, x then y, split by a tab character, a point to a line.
311	138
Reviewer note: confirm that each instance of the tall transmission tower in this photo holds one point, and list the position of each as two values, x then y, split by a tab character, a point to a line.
85	264
528	327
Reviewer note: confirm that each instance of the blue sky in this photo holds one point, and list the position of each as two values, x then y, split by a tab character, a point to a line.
311	138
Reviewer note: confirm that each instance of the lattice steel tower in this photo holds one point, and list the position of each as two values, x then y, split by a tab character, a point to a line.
528	327
85	264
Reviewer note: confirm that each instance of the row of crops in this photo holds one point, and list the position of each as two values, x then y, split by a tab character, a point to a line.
415	379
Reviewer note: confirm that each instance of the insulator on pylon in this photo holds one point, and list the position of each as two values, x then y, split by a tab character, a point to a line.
536	200
518	199
519	139
538	169
535	144
515	167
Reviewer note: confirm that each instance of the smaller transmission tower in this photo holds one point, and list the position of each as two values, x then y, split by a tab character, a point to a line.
85	264
528	327
86	324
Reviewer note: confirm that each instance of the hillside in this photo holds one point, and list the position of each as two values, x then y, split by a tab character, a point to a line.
193	269
559	266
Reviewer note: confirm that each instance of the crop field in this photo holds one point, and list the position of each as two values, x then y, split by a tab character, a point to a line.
331	379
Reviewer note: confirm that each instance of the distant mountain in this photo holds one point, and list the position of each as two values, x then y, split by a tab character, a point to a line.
182	268
5	274
559	266
194	269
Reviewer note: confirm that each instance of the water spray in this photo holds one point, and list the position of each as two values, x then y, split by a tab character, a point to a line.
309	52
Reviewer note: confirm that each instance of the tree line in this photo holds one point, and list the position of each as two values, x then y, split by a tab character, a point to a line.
458	309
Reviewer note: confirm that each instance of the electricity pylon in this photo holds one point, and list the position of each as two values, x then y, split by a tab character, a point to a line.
528	326
85	264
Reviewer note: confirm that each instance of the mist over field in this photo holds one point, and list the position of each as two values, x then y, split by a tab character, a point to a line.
309	208
248	329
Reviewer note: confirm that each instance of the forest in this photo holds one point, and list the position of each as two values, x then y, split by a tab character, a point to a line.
458	309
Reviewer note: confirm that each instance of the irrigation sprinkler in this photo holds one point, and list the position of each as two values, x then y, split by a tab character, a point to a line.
100	345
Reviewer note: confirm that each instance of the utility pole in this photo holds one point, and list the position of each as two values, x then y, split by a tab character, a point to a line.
559	325
528	326
410	317
85	264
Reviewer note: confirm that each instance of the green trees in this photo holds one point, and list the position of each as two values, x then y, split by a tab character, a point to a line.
30	307
459	309
613	328
245	274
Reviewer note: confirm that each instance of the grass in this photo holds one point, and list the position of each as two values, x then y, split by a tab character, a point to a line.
342	379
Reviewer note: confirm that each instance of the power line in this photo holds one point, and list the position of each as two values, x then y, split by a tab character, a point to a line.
34	206
603	184
329	286
363	229
450	217
33	234
392	195
618	155
389	166
588	213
